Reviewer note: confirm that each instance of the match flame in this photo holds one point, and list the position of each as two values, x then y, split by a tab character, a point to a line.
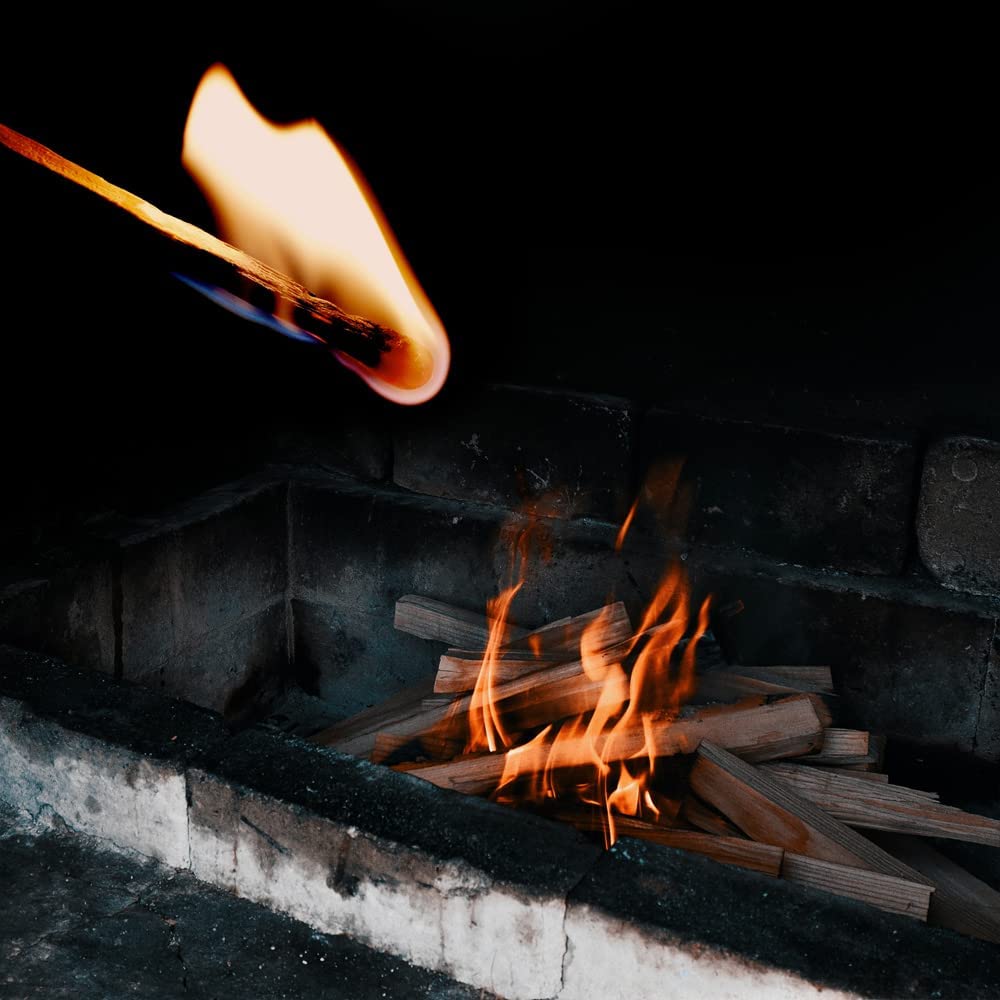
287	195
603	759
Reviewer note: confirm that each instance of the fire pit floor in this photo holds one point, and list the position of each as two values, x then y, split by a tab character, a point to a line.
490	896
92	922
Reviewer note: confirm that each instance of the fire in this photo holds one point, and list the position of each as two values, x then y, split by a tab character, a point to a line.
287	195
604	759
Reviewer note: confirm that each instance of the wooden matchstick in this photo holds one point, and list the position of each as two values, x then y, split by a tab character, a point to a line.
195	252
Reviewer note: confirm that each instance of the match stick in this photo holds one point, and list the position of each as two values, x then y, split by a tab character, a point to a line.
364	340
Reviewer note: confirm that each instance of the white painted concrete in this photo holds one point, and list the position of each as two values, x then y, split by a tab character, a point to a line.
610	959
51	774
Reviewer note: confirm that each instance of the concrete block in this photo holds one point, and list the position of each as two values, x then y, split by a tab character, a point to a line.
572	453
958	524
801	496
52	774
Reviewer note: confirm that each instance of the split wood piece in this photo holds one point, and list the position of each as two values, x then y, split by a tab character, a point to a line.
852	772
427	618
196	252
736	682
854	748
769	811
560	641
357	734
891	808
785	728
855	784
436	746
727	850
961	901
707	819
887	892
610	627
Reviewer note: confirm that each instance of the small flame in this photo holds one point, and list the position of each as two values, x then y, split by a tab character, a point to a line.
287	195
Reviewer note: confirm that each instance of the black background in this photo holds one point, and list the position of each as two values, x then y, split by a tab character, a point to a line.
760	216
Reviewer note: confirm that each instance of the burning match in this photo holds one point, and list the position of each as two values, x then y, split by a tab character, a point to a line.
406	361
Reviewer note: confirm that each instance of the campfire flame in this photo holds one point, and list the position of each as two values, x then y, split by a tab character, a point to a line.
287	195
574	763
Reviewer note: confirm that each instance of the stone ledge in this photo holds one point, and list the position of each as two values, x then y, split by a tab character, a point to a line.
497	898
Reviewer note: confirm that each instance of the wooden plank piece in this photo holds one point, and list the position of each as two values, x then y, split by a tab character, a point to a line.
736	682
961	901
852	784
785	728
887	892
609	628
769	811
427	618
892	808
849	748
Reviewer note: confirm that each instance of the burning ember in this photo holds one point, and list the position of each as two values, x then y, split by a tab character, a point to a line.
289	196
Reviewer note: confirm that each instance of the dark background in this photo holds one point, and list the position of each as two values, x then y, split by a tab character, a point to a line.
770	219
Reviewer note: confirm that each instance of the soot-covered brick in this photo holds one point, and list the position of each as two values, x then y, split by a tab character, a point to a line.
567	452
798	495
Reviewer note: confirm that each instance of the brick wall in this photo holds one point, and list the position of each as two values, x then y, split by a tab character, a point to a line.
876	553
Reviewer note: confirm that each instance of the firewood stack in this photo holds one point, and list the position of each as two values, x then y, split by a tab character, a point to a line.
767	781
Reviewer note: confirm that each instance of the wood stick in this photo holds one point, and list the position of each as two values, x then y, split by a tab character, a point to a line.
855	784
887	892
560	641
357	734
707	819
458	669
889	807
767	810
736	682
961	901
850	748
727	850
785	728
427	618
195	251
852	772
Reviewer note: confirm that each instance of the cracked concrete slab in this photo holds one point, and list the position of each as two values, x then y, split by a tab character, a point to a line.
91	923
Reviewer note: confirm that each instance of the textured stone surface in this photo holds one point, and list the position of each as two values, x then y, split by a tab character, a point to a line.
67	614
571	453
911	671
353	553
668	899
50	774
188	579
439	914
958	524
798	495
91	923
456	883
231	670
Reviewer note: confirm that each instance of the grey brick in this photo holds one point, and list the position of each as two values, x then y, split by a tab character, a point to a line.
219	561
569	452
67	614
958	524
235	670
805	497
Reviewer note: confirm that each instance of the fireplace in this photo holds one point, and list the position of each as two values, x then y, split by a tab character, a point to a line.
202	565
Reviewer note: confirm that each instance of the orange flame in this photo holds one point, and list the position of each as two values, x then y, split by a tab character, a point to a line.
288	195
580	759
